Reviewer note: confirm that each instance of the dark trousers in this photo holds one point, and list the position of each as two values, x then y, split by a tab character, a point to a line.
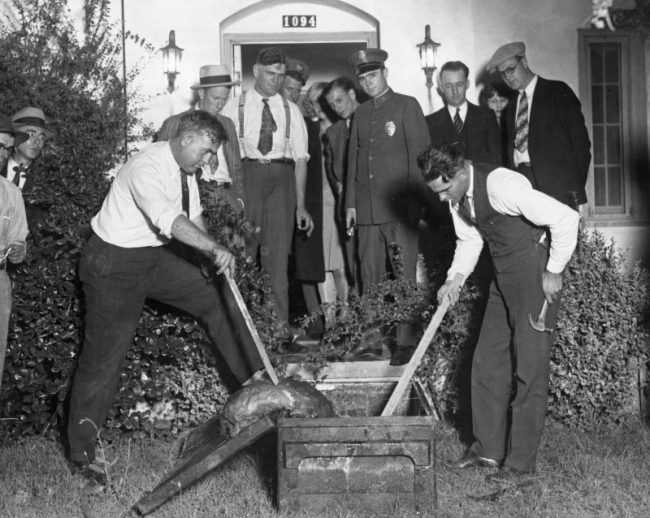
271	207
510	352
374	248
116	282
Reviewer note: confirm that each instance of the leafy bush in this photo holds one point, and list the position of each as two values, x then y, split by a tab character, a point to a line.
601	340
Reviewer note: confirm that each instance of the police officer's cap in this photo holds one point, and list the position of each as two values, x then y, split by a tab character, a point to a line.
297	69
366	60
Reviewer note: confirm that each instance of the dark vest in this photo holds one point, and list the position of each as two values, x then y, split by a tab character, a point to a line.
509	238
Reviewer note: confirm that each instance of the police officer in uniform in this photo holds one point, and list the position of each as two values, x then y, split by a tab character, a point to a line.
385	189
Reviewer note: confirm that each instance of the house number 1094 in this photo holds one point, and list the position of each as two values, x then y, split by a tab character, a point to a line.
299	20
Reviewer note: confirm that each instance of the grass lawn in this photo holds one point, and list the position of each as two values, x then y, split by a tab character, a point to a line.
599	474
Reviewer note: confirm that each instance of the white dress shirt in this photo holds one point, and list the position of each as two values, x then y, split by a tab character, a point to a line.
518	156
253	122
11	163
221	174
510	193
144	200
462	113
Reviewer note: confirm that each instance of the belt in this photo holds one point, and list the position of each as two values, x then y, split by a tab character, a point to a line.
269	160
222	185
524	164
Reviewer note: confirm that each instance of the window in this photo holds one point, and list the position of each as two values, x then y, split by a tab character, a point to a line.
613	93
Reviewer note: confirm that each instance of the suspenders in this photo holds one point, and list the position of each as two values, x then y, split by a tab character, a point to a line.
287	132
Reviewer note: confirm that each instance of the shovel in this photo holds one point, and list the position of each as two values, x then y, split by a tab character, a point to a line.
540	323
231	291
412	366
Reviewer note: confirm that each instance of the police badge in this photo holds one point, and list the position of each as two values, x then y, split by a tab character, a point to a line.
390	128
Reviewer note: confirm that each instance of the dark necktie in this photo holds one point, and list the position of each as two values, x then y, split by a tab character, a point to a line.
465	211
458	123
266	131
521	133
16	178
186	193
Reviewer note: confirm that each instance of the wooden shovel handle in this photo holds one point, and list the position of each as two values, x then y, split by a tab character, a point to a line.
252	329
412	366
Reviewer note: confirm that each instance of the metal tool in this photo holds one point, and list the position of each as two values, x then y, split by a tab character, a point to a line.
540	323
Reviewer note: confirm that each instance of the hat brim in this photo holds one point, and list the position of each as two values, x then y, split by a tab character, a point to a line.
492	65
47	131
210	85
19	136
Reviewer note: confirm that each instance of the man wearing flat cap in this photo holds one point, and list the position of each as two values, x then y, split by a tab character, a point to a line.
548	141
13	228
31	121
385	190
295	79
224	170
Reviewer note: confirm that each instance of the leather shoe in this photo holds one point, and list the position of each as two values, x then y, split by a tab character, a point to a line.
403	355
472	460
507	474
91	471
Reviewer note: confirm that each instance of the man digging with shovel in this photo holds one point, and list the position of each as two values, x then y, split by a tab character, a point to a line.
531	237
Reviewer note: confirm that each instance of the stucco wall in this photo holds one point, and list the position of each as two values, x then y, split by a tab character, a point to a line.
468	30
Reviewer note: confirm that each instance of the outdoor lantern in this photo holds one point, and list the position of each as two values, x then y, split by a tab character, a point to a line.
171	61
428	49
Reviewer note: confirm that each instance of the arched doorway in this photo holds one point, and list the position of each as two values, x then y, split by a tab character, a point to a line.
320	32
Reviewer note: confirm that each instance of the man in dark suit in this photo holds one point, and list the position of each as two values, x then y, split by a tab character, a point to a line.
474	127
224	170
31	121
385	191
548	141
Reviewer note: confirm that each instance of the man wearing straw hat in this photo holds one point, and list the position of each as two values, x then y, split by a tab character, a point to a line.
13	228
224	169
32	122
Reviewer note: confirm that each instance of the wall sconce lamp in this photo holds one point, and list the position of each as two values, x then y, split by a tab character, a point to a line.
171	61
428	50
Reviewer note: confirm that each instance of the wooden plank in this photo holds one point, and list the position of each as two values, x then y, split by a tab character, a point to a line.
204	460
245	324
412	366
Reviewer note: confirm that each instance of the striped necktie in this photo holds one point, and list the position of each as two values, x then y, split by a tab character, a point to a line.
521	133
458	122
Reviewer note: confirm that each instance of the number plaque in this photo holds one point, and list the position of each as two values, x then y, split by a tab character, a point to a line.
299	21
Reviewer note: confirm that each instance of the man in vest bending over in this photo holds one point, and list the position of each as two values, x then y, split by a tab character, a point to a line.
273	145
531	238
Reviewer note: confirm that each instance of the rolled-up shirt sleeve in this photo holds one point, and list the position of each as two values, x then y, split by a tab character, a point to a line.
148	192
468	247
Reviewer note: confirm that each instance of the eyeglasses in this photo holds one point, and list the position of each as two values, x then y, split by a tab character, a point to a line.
510	70
34	135
7	149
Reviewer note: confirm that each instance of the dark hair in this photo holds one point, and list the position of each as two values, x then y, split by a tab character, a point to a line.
322	102
455	66
271	56
346	84
496	88
441	162
201	122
